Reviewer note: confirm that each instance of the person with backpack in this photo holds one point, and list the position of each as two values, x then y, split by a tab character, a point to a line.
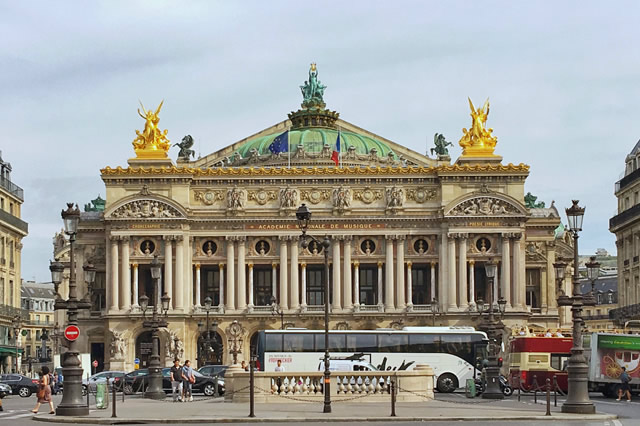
624	388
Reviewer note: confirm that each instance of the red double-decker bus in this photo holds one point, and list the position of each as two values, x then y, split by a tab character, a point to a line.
542	357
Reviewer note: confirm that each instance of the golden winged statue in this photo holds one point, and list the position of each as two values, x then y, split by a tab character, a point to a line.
478	140
151	143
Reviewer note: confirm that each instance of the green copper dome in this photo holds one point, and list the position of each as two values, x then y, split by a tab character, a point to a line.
314	138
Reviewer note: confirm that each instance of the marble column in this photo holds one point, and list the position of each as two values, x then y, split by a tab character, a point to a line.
519	295
451	284
250	305
179	283
433	281
126	275
409	285
336	304
401	303
231	275
552	303
472	282
462	271
274	279
356	284
295	286
346	273
388	276
303	283
114	285
221	288
443	274
505	273
380	302
168	268
136	294
242	281
284	282
198	295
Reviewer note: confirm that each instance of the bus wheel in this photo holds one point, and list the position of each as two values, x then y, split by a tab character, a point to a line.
447	383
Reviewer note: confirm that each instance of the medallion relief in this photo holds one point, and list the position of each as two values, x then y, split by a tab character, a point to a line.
208	197
422	194
367	195
315	196
262	196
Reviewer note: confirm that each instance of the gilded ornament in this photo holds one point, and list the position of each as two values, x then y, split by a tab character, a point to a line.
208	197
421	195
314	196
478	140
262	196
152	143
367	195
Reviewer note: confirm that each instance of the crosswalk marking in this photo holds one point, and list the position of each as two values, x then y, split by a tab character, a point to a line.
14	414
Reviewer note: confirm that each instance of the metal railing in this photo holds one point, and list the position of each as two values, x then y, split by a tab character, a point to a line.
12	188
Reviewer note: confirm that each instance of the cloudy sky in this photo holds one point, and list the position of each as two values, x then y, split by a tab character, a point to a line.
562	78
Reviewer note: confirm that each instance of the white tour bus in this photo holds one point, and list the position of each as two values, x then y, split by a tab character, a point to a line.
451	351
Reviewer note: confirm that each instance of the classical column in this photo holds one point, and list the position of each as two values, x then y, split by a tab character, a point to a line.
335	275
221	288
295	294
180	288
198	297
388	276
274	277
356	284
168	268
135	285
380	301
433	281
346	273
505	281
409	285
401	303
250	305
462	271
231	275
284	282
518	274
113	300
443	275
451	284
303	303
242	281
472	282
126	275
552	303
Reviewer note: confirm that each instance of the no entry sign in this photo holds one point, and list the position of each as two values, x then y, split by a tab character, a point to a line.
71	333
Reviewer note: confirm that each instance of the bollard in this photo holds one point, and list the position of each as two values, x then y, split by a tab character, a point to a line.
113	394
252	364
548	397
519	386
535	391
88	390
393	398
555	391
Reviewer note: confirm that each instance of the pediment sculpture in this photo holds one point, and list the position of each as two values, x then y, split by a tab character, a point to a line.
146	209
484	206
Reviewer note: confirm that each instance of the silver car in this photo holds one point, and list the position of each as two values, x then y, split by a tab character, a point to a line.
4	390
104	376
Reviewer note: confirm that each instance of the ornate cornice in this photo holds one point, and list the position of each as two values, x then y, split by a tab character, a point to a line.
300	171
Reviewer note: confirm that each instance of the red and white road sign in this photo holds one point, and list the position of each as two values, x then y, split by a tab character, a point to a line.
71	333
95	364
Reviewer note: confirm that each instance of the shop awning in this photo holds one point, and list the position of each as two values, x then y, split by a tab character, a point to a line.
9	350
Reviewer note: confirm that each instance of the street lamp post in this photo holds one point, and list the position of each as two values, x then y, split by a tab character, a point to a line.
578	394
303	215
157	320
494	327
44	336
434	310
209	344
277	310
72	402
89	278
16	324
593	272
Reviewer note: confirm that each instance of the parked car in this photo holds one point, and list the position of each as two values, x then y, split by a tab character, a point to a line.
107	376
215	371
20	385
4	390
138	381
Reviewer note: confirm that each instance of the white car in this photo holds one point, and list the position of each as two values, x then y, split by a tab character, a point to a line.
104	376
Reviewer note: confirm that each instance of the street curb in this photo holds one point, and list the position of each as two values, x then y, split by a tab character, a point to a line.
116	421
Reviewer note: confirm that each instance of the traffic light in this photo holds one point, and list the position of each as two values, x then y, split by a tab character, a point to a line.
500	362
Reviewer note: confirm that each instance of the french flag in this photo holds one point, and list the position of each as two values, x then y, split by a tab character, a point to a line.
335	156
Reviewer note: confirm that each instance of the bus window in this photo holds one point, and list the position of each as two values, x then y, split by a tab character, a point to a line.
424	343
539	359
298	342
274	342
337	342
362	343
559	361
394	343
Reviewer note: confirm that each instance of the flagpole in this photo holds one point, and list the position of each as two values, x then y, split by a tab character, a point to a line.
340	147
289	144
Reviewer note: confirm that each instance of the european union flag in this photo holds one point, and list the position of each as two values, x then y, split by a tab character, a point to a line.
280	143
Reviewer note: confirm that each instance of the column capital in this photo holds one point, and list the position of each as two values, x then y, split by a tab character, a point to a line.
125	237
250	265
284	237
197	265
167	237
274	265
294	237
134	265
303	264
472	262
230	238
400	237
347	238
241	238
356	263
114	238
389	237
380	263
433	263
409	264
221	266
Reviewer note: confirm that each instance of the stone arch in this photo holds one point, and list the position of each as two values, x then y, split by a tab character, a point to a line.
483	204
145	206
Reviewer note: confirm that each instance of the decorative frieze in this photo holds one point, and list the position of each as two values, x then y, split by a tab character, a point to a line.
367	195
146	209
422	194
208	197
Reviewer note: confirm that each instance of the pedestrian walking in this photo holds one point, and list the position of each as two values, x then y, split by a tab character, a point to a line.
188	379
624	387
176	380
44	391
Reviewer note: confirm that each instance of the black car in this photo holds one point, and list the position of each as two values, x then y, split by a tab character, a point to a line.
20	385
138	381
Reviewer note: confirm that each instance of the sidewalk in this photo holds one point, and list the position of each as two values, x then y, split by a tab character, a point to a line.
138	410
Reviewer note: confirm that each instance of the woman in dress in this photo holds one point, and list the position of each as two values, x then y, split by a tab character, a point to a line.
44	391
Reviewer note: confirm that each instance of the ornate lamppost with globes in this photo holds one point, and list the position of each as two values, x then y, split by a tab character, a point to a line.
16	325
72	402
303	215
593	272
89	278
578	394
157	321
494	328
210	344
277	310
434	311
